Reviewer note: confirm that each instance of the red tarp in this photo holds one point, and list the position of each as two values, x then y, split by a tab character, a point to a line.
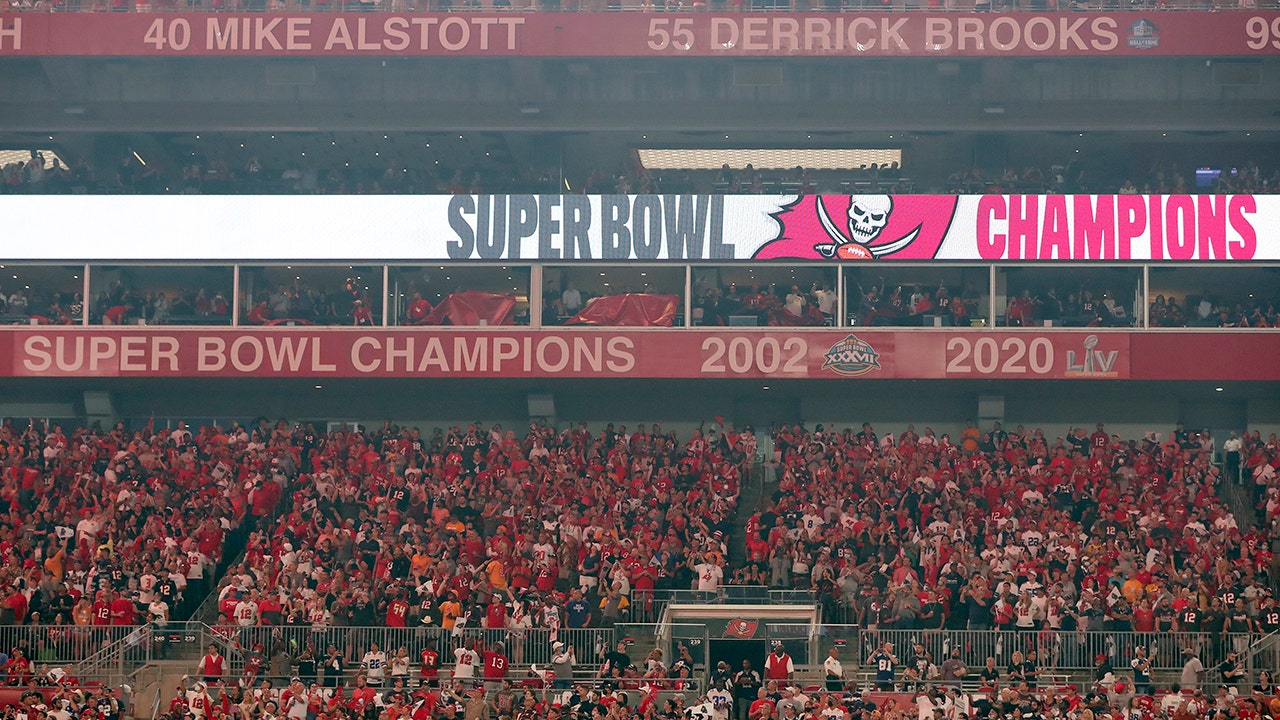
473	308
631	310
782	317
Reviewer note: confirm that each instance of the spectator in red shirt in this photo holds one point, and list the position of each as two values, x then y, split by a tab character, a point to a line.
123	611
495	667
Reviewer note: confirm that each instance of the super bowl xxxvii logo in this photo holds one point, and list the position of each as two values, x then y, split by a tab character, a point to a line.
851	357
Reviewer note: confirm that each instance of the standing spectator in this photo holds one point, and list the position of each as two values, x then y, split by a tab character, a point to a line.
246	611
199	702
1192	670
429	664
834	670
721	700
746	686
612	606
1141	665
1230	670
297	705
417	311
399	664
563	658
884	661
761	707
335	666
465	661
374	665
495	667
953	669
571	299
1231	459
577	611
615	662
778	665
709	572
212	665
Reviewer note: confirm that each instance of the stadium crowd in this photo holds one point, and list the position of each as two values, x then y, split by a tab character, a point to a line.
115	527
1210	311
480	528
215	176
1021	532
474	529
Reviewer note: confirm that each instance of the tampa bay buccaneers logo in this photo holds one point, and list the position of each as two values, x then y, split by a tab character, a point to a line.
904	227
868	214
741	628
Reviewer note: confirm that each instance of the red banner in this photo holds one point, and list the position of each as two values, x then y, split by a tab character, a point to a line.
473	308
586	34
629	310
853	353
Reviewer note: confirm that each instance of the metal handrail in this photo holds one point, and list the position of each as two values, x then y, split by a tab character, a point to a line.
1072	650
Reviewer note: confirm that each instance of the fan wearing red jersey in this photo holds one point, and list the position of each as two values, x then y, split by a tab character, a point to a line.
397	612
495	667
429	668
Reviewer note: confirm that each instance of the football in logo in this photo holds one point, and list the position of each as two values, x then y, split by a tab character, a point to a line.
861	227
851	357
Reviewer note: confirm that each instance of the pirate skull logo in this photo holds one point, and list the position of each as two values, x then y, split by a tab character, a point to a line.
868	216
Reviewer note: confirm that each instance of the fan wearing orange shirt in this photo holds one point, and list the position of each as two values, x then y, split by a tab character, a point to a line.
450	609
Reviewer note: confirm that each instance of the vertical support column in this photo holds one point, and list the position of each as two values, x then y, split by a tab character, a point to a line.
688	296
991	297
1146	296
842	313
84	295
535	296
386	294
235	295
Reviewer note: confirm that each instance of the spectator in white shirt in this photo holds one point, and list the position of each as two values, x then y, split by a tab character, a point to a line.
833	670
374	665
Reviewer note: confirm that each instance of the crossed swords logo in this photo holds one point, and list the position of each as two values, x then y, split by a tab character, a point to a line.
868	215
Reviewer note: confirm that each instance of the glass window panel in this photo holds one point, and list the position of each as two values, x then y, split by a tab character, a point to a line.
311	294
412	284
917	295
41	294
1237	296
568	289
161	294
758	295
1070	296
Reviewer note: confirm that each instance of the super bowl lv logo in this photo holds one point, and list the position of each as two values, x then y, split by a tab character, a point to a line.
861	227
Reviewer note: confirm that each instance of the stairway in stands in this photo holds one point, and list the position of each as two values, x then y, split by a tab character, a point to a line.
1239	500
755	495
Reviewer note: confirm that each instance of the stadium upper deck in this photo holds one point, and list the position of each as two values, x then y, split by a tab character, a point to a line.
561	90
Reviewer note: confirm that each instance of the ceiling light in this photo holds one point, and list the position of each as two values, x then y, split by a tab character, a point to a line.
766	158
23	156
